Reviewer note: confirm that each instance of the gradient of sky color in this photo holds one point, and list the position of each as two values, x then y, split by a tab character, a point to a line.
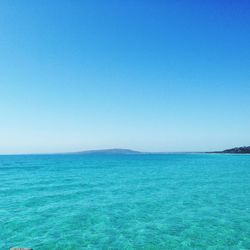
147	75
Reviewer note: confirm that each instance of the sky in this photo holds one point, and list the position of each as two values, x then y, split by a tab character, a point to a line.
168	75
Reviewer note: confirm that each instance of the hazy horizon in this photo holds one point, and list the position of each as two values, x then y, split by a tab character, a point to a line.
149	76
108	149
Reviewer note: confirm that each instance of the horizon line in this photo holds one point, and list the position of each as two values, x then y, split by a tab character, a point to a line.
116	151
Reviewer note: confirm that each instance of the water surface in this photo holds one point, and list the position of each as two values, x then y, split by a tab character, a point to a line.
175	201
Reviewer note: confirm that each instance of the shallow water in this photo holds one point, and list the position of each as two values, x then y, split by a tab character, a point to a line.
175	201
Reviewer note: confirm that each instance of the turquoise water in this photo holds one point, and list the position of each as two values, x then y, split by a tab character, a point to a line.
175	201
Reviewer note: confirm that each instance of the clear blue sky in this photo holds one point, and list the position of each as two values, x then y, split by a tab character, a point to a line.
141	74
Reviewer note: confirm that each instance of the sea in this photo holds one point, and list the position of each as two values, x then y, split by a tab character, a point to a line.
141	201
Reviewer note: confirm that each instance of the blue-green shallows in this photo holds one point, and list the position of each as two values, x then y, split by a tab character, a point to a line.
175	201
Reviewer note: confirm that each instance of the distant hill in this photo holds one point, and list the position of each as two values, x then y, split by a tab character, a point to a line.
121	151
238	150
111	151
